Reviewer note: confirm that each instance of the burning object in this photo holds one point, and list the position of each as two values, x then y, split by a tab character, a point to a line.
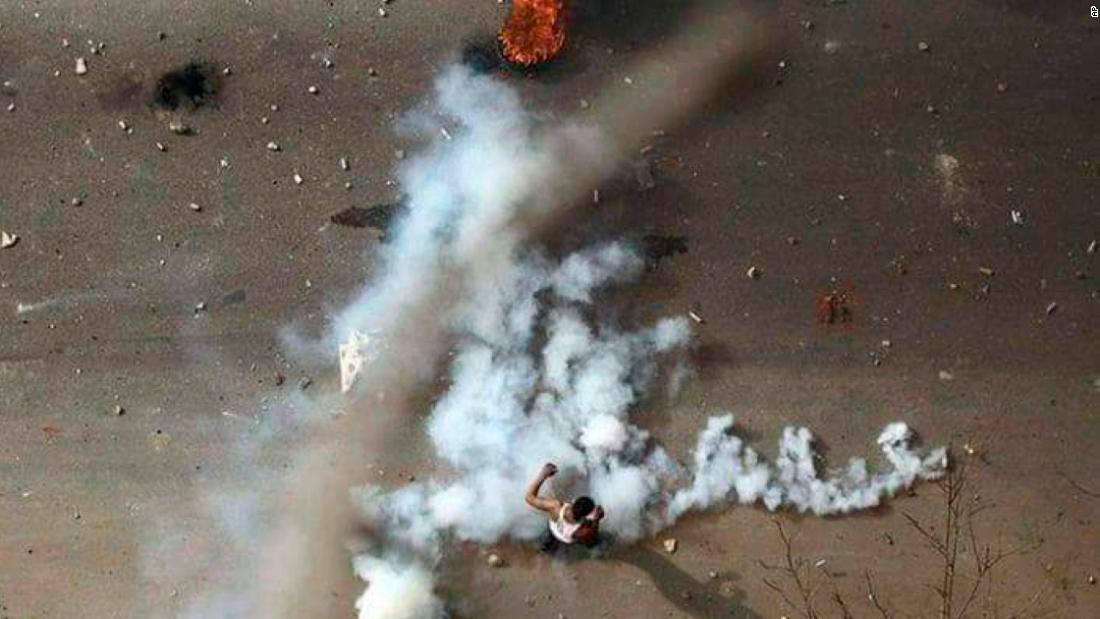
534	31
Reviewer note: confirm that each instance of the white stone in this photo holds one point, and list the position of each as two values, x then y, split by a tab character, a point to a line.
81	66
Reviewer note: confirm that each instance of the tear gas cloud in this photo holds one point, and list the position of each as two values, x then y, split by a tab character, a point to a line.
535	379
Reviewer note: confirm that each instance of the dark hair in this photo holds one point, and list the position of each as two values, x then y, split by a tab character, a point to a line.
582	506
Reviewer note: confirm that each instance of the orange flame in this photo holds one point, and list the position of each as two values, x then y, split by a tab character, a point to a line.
534	31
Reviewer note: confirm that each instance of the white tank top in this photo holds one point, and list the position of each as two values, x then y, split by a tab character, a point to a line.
561	529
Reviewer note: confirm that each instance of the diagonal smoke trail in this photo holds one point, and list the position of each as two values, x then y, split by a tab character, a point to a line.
468	213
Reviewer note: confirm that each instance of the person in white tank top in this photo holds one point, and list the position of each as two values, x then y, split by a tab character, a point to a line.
575	522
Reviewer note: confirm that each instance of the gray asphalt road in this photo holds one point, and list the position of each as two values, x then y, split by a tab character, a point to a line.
855	159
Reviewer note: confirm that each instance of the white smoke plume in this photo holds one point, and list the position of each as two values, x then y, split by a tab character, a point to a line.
533	381
472	202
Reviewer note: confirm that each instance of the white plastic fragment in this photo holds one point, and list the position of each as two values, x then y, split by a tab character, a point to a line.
352	358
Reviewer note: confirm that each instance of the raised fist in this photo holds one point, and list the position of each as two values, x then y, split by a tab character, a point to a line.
549	469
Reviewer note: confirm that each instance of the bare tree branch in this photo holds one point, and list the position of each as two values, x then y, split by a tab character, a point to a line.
871	595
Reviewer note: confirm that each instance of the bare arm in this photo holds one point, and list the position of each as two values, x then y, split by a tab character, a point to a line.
549	505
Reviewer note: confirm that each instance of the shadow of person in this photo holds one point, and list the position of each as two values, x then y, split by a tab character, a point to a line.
698	599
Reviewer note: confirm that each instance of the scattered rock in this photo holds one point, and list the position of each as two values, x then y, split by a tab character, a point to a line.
988	272
712	575
753	272
298	179
1002	86
161	147
344	165
495	560
1091	249
1051	308
119	411
670	545
313	90
924	47
8	240
831	47
273	147
946	376
696	317
1017	217
81	66
200	307
400	154
76	201
179	127
887	343
279	379
194	207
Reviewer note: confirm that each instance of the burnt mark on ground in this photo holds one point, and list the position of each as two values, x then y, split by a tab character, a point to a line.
376	217
657	247
483	55
190	87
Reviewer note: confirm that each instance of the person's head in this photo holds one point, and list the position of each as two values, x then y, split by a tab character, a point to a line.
582	506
